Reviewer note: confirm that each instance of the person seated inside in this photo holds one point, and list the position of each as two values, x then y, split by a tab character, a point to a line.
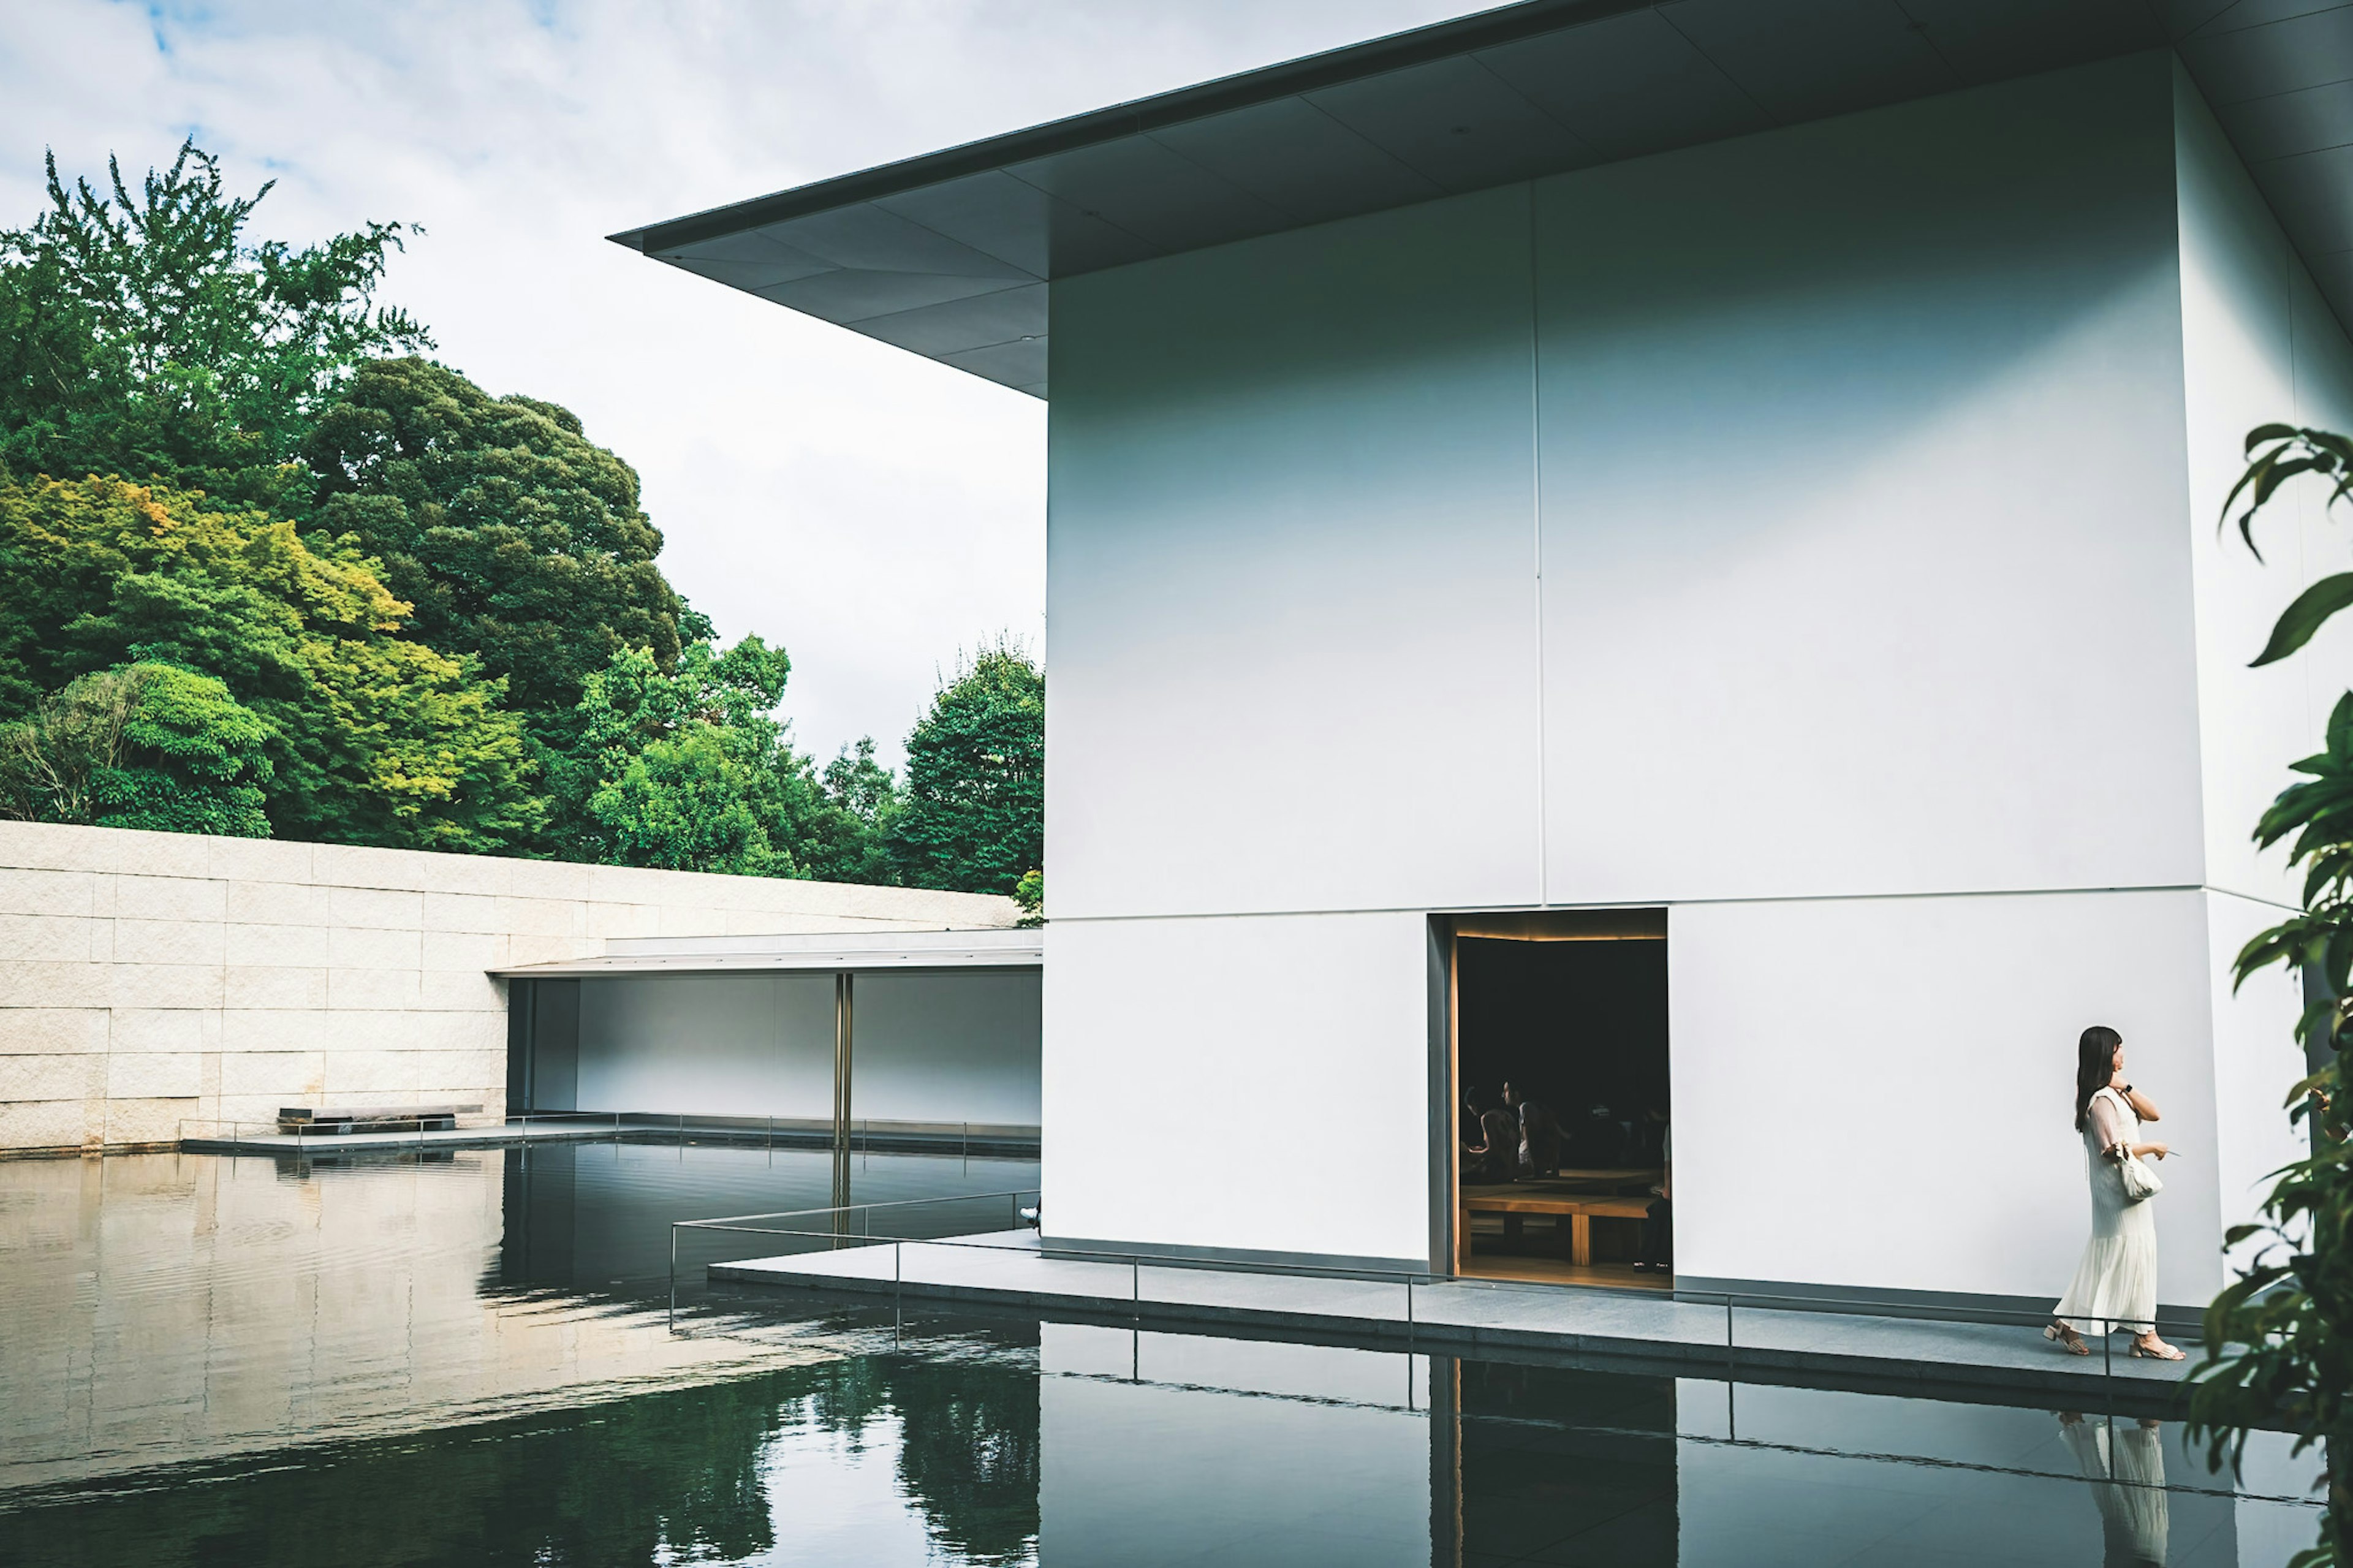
1540	1135
1494	1158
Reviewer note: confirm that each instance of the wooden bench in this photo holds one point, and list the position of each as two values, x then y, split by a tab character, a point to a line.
1601	1176
301	1119
1518	1200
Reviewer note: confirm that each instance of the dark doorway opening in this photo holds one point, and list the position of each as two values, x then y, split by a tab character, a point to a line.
1568	1179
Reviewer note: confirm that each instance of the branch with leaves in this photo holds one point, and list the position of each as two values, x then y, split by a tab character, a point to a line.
2279	1339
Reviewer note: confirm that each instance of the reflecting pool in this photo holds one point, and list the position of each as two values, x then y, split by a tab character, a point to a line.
472	1358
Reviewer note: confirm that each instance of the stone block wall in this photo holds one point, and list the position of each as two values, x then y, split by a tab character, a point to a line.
148	979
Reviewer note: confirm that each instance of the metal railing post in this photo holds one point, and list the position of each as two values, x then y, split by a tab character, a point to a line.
673	1278
1134	1287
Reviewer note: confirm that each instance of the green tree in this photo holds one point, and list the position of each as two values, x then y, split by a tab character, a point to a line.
518	541
973	815
144	335
372	739
686	775
841	816
2279	1339
146	746
693	770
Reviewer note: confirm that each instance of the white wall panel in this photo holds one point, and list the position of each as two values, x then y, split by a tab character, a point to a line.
1289	571
959	1047
1876	1093
1256	1083
2259	347
2256	1060
1862	487
708	1045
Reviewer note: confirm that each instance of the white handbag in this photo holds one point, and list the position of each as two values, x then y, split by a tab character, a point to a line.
2139	1177
2141	1182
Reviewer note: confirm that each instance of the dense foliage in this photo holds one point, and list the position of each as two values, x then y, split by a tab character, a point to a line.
373	739
143	335
264	570
516	540
2279	1339
145	746
974	815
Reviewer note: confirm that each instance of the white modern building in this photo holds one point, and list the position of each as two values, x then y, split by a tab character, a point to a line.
1741	479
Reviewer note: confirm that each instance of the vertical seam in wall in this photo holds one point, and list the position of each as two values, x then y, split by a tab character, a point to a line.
1535	532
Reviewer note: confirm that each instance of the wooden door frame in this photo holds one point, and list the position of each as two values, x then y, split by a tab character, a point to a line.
1450	1235
1446	1238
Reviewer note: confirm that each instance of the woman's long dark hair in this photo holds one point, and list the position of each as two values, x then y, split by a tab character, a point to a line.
2096	1063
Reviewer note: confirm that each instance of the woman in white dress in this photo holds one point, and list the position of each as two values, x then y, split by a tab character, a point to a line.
2116	1284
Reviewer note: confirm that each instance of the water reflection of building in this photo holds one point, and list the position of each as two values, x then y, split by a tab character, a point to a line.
1221	1450
165	1308
1003	1440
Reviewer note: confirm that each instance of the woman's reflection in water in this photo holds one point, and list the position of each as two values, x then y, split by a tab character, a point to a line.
2126	1465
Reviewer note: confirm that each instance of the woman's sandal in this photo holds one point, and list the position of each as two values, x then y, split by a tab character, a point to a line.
2067	1337
2158	1349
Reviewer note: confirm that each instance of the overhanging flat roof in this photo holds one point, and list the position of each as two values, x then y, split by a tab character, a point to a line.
948	255
829	951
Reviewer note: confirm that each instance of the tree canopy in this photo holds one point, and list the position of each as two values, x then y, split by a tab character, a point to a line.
517	540
265	568
974	815
143	745
686	773
144	335
372	739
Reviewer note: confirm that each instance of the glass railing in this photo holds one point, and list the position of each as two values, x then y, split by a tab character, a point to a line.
966	1245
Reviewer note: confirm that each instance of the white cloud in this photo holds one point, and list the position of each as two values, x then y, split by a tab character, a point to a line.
871	511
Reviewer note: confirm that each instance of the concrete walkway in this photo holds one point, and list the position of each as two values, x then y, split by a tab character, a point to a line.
1012	1269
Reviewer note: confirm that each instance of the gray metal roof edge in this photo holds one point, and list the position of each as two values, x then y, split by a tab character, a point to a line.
1351	62
950	939
816	962
1003	947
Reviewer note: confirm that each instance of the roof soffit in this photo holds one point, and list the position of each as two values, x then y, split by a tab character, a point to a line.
947	255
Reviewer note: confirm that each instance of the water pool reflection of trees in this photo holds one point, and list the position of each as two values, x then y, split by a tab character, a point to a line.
659	1477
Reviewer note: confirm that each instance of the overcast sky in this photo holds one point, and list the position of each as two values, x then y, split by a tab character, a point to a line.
871	511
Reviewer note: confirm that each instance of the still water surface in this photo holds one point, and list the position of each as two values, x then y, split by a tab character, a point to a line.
472	1358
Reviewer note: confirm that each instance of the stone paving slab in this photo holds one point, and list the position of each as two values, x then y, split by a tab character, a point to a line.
1014	1269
